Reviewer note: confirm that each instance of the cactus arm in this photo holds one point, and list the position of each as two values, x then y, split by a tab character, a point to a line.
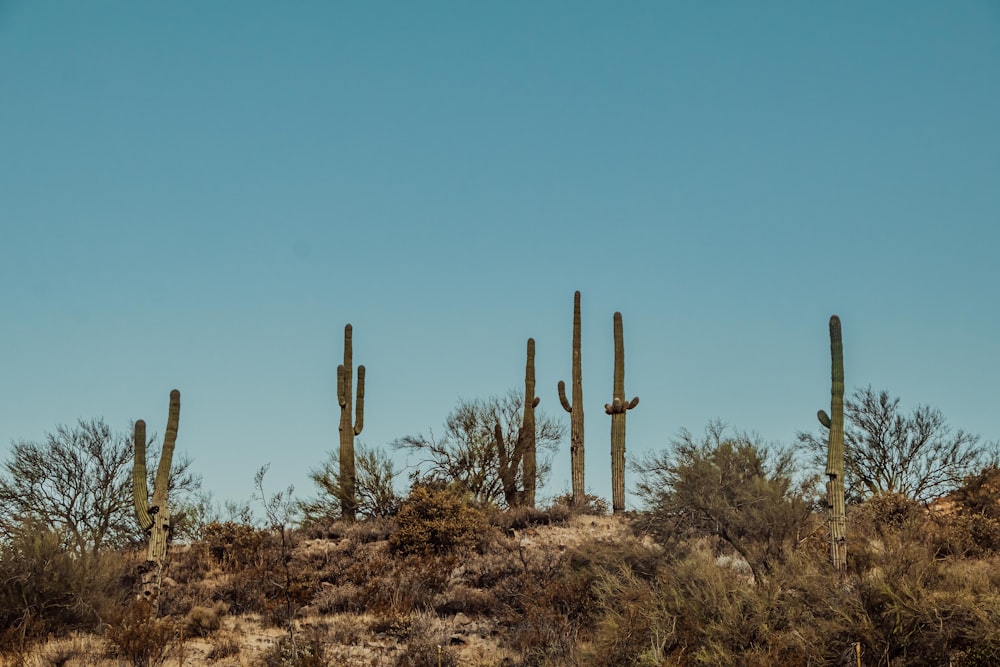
140	490
341	386
359	402
167	453
562	398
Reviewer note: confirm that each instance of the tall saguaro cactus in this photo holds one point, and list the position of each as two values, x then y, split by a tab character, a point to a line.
523	454
575	410
154	517
835	451
617	409
345	377
526	435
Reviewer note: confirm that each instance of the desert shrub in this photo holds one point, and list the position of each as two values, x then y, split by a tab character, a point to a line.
423	652
426	644
369	530
203	621
436	521
308	650
224	647
729	486
262	571
592	505
339	598
47	590
234	545
460	598
522	517
138	637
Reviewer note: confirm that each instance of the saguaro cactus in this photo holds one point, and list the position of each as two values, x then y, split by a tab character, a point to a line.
526	434
575	410
523	454
617	409
835	451
345	376
154	518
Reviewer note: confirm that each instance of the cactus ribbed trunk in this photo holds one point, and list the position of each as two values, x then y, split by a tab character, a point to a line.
617	409
345	377
526	434
575	411
835	451
154	517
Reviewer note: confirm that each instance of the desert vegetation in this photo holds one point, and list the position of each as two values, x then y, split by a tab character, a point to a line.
881	546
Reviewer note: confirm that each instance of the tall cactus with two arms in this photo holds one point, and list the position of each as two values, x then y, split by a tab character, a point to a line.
345	377
154	517
575	410
835	451
617	409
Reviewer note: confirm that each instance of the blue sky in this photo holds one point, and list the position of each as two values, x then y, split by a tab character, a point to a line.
200	195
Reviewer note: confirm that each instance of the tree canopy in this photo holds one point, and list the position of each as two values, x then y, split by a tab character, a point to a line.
77	482
728	485
917	455
467	454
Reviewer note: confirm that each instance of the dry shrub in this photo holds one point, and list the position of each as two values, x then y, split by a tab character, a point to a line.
138	637
47	590
460	598
203	621
224	647
254	568
591	506
426	644
346	629
423	652
436	521
332	599
370	530
235	545
520	518
305	651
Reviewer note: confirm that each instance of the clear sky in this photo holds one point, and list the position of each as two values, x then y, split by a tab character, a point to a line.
201	194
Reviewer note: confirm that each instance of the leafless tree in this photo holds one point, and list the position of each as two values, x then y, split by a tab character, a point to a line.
917	455
78	483
467	454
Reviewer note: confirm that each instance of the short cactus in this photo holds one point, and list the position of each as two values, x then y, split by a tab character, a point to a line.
154	518
576	411
617	409
835	451
345	376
